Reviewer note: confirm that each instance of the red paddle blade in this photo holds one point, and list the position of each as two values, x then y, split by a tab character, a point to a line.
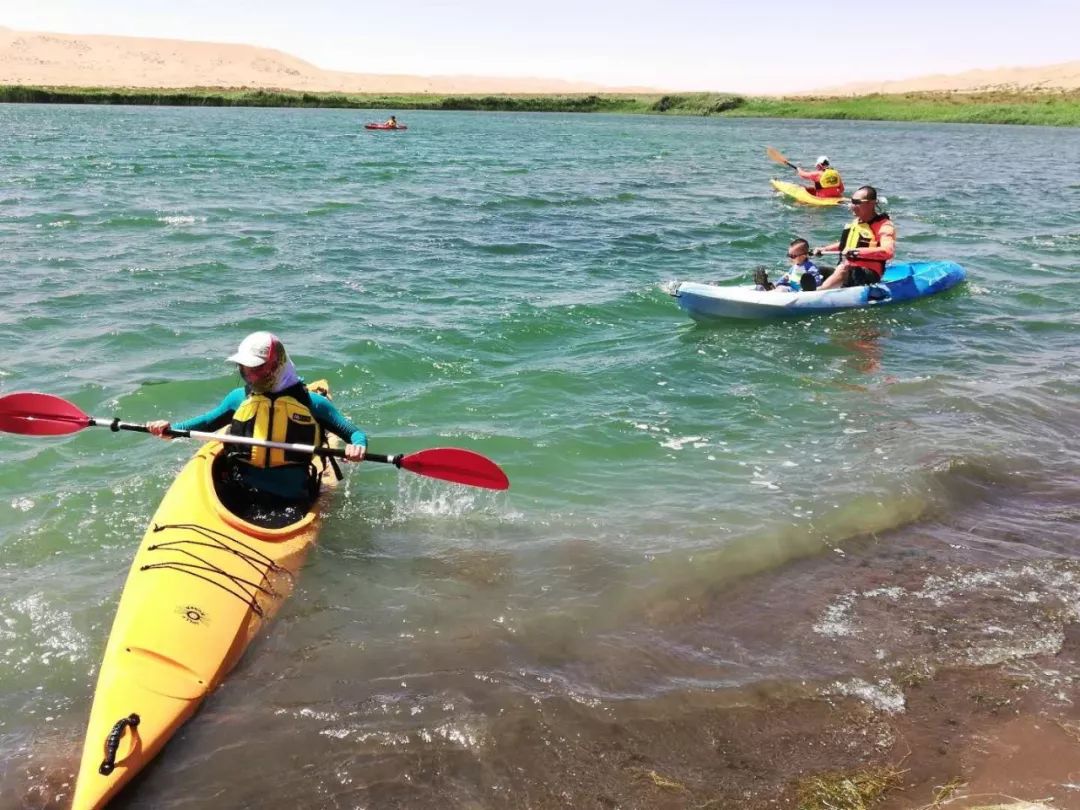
459	466
40	415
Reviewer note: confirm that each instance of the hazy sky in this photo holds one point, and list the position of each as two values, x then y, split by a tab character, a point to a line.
678	44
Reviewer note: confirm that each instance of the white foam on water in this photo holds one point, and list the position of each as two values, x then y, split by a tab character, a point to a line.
180	219
769	485
426	497
53	635
884	695
838	621
1024	611
682	441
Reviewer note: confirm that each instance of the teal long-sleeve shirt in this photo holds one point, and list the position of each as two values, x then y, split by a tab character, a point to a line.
285	482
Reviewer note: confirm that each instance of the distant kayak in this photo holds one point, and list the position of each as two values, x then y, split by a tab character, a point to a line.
902	282
800	194
384	126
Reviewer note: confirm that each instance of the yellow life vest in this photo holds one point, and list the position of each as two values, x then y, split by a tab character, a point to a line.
830	178
282	417
864	235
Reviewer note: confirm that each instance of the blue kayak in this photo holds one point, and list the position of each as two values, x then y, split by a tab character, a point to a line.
902	282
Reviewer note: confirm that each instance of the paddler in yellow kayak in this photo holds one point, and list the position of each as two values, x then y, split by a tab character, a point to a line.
827	181
273	404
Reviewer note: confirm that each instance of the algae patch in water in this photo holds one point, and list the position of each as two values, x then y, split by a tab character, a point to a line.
858	790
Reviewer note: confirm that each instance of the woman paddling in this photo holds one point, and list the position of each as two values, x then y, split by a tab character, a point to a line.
273	404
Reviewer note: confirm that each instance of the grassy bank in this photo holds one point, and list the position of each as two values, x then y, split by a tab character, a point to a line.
688	104
1057	109
1043	108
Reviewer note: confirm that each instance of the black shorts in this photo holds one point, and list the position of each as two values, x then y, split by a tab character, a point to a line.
860	277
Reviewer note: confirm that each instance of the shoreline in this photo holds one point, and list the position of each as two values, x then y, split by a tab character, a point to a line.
746	567
1030	108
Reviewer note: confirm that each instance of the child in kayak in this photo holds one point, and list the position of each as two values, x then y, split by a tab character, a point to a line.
391	122
273	404
802	276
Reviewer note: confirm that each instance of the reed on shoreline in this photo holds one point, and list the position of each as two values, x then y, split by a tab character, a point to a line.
1043	108
1046	108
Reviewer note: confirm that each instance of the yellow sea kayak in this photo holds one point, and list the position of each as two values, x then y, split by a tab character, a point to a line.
202	584
800	194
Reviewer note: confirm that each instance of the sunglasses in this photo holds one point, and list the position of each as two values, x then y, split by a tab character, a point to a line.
860	202
256	373
797	255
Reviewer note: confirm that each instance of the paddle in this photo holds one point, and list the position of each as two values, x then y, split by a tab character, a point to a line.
33	414
779	158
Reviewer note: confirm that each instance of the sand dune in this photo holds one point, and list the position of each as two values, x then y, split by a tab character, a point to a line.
1065	76
72	60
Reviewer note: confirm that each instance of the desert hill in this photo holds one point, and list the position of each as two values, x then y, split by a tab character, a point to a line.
73	60
1064	76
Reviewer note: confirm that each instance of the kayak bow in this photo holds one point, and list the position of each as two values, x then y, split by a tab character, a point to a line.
799	193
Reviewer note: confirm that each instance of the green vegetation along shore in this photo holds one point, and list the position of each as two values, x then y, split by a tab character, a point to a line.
1046	108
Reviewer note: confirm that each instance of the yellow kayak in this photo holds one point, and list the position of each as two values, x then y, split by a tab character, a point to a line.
800	194
202	584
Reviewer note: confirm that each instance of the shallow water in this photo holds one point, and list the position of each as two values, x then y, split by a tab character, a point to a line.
696	511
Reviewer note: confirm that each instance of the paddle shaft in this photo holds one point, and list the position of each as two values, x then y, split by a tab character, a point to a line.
225	438
31	413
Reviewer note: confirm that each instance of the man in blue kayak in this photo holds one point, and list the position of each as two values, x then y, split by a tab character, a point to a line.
865	244
273	404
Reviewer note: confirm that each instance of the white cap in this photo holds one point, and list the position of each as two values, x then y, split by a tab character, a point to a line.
256	349
823	161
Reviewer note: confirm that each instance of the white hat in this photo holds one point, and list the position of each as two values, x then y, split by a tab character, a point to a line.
256	349
823	161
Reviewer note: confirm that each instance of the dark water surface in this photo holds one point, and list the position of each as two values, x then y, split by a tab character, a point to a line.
725	548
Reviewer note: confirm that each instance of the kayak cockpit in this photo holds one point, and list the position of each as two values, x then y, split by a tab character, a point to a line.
258	509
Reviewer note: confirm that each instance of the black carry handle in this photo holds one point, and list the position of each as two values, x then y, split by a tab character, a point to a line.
112	742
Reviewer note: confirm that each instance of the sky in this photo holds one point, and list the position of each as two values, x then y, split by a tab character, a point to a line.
774	47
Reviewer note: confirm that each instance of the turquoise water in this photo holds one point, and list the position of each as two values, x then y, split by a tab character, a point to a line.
493	281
